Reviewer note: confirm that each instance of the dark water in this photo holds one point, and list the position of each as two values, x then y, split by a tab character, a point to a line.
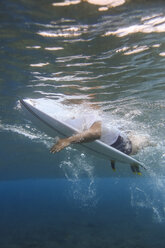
111	61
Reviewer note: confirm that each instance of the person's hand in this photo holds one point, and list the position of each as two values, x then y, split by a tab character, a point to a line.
61	144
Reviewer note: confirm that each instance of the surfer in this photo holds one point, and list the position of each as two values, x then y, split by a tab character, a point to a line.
91	128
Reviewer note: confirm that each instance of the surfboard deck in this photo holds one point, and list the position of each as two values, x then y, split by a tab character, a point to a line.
42	112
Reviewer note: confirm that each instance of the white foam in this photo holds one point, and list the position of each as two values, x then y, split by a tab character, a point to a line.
75	166
27	132
17	106
143	199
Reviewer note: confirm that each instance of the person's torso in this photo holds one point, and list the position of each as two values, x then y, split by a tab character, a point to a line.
84	122
109	134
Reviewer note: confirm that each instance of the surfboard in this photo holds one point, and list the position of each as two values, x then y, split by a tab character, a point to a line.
40	109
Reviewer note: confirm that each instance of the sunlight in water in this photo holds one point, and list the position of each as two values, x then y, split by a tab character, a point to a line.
108	3
54	48
39	64
162	54
147	25
66	3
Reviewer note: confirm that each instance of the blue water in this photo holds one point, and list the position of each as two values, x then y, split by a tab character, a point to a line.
84	59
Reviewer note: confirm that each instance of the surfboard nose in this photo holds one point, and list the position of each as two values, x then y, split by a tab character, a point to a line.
27	102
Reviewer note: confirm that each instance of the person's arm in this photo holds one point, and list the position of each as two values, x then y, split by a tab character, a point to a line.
93	133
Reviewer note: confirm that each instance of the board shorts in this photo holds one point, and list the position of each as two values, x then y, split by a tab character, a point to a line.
123	144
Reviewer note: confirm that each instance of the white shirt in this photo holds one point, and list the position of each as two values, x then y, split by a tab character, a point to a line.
109	134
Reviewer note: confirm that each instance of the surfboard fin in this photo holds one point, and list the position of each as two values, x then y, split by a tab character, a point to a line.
135	169
113	165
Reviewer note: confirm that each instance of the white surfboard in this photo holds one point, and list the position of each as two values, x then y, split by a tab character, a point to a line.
45	112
